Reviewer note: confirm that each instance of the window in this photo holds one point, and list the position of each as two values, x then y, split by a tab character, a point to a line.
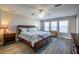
46	26
63	26
54	25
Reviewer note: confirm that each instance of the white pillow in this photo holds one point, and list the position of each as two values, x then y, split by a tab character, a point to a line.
23	30
34	29
31	30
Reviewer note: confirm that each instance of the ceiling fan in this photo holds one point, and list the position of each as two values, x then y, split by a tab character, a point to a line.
42	13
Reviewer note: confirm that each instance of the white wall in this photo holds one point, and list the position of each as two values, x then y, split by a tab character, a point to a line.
23	20
0	18
72	24
11	20
77	23
5	18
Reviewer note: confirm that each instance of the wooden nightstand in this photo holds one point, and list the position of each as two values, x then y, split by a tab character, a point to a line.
9	38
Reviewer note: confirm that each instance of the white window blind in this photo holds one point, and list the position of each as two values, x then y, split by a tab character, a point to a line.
63	26
46	26
54	25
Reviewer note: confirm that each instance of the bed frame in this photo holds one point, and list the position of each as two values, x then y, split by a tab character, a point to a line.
38	44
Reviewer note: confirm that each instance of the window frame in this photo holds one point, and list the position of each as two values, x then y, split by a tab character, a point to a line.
56	26
48	26
67	26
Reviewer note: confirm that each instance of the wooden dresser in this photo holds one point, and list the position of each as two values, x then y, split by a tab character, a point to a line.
75	37
9	38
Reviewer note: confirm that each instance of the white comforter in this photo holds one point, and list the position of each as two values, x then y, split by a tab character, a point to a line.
34	37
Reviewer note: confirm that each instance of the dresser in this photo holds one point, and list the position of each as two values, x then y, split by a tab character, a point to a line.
75	37
9	38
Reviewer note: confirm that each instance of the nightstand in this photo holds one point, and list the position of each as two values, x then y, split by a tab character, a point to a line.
9	38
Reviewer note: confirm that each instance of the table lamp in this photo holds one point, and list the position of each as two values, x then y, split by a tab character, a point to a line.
5	28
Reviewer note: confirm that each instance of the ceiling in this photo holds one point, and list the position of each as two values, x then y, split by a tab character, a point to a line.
32	10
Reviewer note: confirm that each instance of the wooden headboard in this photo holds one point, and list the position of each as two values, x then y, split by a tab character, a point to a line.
23	26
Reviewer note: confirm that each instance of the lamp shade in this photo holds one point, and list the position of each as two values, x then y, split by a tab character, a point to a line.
3	26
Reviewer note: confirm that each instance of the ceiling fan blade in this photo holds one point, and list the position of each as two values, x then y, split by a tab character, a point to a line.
57	5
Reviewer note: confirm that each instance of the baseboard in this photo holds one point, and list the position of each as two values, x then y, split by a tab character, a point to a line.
64	37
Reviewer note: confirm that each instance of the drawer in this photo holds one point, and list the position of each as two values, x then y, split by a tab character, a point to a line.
8	36
10	39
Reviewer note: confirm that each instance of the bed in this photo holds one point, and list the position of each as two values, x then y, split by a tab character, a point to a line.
33	38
